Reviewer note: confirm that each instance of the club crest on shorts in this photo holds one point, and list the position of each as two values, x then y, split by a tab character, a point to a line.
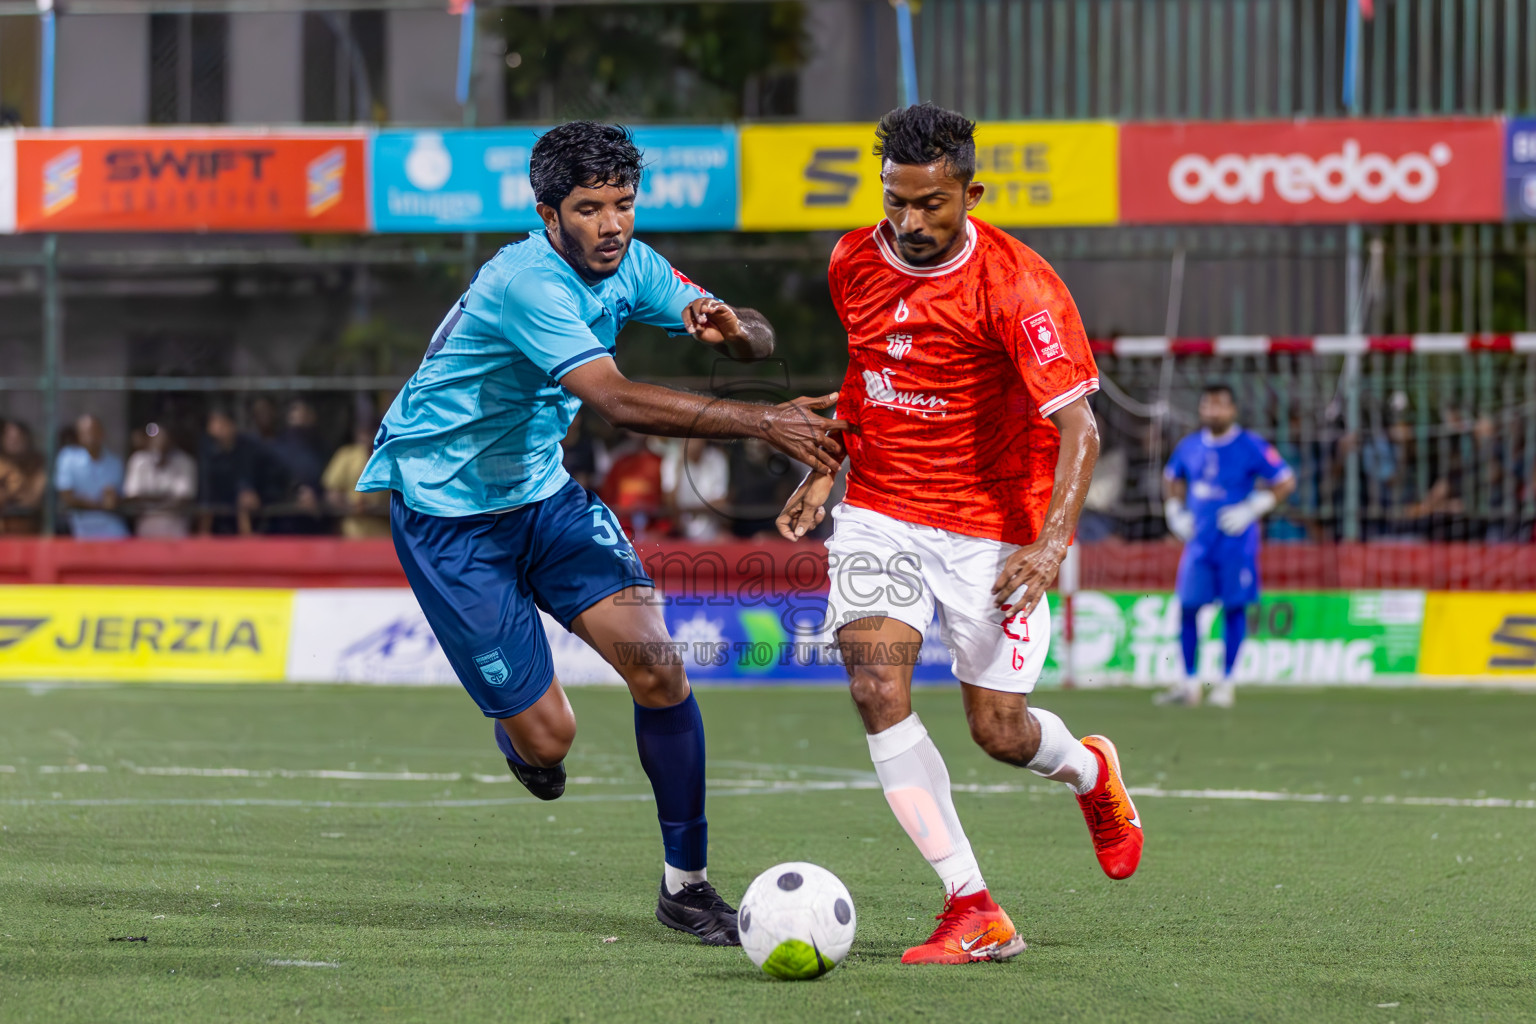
493	667
1044	338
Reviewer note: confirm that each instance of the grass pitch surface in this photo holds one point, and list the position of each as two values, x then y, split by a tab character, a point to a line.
352	868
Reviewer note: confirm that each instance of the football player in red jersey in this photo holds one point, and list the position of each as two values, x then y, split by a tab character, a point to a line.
971	449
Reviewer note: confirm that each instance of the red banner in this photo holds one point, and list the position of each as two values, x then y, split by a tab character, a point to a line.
179	181
1312	171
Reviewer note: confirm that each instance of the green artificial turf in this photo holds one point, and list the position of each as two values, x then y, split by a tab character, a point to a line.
454	899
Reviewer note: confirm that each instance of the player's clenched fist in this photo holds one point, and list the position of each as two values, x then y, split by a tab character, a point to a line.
795	429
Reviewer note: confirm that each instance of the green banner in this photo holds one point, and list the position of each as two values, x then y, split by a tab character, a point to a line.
1327	637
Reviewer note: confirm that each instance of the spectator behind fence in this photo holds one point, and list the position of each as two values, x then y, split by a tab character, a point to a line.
632	488
90	483
23	480
161	482
695	478
227	468
299	458
363	514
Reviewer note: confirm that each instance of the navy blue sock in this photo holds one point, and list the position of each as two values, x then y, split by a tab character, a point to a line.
1234	627
1189	636
504	744
671	742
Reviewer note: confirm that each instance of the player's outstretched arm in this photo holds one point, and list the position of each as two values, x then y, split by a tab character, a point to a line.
743	334
1181	521
792	427
806	508
1033	567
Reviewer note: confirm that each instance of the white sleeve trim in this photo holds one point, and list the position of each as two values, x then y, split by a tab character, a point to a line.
1066	398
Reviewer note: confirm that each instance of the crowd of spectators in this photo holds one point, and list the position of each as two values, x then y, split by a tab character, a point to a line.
275	475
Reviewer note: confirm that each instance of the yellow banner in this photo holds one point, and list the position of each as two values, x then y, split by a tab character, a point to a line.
801	177
1482	634
144	634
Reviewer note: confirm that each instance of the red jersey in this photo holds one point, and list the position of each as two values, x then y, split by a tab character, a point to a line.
952	371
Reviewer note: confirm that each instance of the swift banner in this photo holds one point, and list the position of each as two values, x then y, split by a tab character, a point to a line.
179	181
1312	171
477	180
796	177
144	634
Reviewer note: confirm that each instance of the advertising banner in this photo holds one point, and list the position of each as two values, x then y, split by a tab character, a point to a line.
1520	168
477	180
1445	169
191	181
7	181
1332	637
798	177
144	634
1479	635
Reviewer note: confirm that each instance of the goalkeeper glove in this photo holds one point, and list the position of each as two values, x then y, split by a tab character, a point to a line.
1181	521
1234	519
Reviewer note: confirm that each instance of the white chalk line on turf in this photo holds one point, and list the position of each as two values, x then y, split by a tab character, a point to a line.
302	963
759	787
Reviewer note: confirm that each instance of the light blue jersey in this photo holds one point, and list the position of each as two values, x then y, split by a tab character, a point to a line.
478	426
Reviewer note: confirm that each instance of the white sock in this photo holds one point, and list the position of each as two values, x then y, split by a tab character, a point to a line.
1061	757
916	785
676	878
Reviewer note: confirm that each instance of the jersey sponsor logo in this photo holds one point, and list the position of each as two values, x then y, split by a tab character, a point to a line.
1043	337
493	667
902	312
879	391
898	345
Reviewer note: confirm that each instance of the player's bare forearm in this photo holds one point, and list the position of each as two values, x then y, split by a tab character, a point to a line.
1029	571
1074	472
792	427
1283	489
1176	488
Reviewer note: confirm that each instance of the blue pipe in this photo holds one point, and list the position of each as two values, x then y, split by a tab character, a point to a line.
908	53
1351	53
45	104
466	51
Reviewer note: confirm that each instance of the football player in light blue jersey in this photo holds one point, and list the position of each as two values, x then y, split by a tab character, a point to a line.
1218	484
490	528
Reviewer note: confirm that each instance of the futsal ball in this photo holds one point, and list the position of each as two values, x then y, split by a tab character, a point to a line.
796	921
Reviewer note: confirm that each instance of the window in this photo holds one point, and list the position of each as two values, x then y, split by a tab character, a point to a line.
187	68
344	66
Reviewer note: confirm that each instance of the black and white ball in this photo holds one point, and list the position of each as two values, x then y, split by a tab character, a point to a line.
796	921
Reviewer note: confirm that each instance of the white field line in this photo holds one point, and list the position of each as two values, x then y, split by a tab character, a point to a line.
760	787
302	963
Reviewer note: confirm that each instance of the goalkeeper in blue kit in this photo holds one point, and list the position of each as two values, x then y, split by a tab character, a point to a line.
1218	484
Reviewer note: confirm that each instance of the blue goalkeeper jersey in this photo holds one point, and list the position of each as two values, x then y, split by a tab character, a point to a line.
478	426
1220	471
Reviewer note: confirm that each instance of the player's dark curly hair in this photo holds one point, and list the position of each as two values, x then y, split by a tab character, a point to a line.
926	134
582	154
1218	387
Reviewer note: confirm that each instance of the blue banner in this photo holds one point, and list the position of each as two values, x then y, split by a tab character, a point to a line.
477	180
1520	169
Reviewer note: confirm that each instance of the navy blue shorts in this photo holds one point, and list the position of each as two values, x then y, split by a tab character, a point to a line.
1225	570
482	579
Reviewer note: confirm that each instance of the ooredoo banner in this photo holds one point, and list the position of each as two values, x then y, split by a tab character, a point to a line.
1448	169
477	179
179	181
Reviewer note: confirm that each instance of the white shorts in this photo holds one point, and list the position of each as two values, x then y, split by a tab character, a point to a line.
880	566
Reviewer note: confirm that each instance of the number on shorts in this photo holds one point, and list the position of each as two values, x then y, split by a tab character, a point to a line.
603	526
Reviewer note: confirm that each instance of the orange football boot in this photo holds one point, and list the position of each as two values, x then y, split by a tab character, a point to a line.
971	929
1112	820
